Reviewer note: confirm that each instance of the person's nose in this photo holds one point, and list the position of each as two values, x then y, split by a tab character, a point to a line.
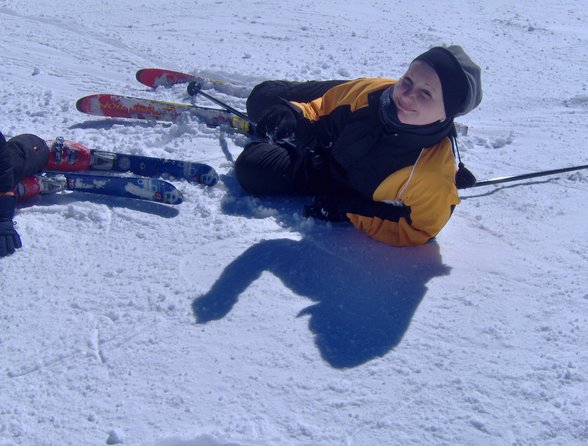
408	94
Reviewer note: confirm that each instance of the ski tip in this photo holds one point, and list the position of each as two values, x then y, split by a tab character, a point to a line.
212	180
81	104
161	77
173	199
145	76
206	180
199	173
84	104
166	193
148	77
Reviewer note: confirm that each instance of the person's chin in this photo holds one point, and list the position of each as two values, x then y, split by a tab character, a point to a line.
404	117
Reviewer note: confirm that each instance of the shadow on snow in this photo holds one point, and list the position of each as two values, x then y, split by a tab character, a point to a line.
365	293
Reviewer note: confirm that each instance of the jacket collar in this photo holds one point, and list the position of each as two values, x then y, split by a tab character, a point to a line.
406	135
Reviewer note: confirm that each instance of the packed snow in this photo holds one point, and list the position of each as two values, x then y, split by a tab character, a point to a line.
232	320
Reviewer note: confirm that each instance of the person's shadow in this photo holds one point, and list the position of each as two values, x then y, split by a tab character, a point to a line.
365	292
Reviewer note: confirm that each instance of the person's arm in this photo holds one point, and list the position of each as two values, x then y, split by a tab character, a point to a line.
426	191
329	113
9	238
6	170
317	123
408	208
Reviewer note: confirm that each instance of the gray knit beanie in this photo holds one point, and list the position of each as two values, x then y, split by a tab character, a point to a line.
460	78
474	76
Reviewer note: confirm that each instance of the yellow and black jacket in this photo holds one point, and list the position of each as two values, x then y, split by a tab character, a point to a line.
405	175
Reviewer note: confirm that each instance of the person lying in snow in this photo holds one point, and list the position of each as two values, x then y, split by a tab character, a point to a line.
375	152
21	156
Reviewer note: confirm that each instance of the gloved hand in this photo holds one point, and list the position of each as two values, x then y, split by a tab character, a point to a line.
278	124
9	238
335	207
326	208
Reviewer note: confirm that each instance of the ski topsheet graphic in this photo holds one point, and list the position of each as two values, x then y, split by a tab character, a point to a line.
150	189
160	77
117	106
70	156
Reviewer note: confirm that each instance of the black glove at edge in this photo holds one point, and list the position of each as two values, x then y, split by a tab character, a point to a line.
334	208
326	208
9	238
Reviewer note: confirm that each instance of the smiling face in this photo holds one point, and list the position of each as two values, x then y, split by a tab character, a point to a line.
418	95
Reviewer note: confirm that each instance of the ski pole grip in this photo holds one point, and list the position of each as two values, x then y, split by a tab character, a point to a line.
194	88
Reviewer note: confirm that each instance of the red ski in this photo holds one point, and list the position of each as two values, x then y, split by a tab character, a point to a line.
116	106
160	77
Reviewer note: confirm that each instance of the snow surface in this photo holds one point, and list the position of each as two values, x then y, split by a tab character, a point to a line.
230	320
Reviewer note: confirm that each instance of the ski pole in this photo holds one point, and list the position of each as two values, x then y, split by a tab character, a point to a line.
528	175
195	88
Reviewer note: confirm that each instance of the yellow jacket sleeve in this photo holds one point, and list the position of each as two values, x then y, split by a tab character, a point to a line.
353	94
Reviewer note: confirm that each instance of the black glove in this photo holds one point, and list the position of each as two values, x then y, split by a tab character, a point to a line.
327	208
9	238
336	207
277	124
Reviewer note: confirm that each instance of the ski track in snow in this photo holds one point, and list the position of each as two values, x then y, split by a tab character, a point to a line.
230	320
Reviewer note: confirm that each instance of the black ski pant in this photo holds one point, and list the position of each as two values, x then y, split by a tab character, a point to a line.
263	168
20	157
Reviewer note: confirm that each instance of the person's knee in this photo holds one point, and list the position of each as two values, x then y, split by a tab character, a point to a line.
29	144
29	155
247	168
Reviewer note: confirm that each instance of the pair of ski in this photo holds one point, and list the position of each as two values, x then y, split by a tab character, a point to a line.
118	106
68	158
69	163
